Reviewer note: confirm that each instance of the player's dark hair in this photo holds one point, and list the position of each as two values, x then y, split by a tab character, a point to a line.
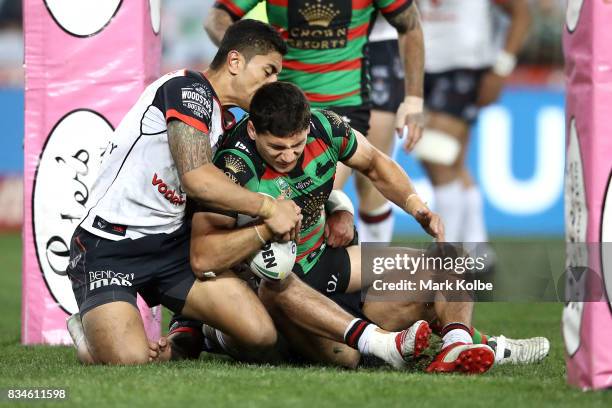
280	108
250	38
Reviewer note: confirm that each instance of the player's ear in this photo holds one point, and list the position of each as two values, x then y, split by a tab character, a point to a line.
234	62
251	130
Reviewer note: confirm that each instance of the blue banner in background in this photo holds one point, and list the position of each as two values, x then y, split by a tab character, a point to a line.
517	155
11	117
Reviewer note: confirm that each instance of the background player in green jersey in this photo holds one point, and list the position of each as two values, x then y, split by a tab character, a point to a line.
327	59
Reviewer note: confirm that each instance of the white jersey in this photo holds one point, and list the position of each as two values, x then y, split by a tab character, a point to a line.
138	191
458	34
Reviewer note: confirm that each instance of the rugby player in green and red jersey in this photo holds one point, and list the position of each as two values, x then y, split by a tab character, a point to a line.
327	58
284	149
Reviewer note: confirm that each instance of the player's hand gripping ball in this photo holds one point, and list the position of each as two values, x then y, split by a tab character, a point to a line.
275	260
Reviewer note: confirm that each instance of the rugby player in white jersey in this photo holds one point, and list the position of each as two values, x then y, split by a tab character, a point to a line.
464	71
134	238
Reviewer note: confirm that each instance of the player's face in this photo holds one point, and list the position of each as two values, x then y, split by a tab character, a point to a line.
260	70
281	153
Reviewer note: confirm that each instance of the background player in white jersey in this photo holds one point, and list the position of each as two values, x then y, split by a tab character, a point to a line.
464	70
134	238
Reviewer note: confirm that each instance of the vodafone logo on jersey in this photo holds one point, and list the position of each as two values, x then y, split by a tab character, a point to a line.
170	195
84	18
68	165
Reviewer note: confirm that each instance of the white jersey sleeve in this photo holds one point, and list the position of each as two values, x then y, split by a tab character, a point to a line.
138	191
382	30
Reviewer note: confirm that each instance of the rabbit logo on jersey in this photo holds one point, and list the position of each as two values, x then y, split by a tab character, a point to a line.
198	100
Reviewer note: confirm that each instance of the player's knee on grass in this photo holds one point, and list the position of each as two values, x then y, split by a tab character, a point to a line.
115	334
83	354
131	356
122	355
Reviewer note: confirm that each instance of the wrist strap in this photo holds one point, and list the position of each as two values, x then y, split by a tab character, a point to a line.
413	201
263	241
267	207
413	104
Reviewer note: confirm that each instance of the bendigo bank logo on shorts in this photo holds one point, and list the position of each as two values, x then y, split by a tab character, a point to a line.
169	194
319	24
98	279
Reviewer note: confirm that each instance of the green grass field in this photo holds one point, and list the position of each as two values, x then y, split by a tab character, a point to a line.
214	382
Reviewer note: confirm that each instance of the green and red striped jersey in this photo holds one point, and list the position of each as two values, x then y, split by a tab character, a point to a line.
330	140
327	43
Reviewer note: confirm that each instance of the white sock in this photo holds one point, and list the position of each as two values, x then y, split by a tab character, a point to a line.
380	344
363	345
456	335
474	229
380	231
449	205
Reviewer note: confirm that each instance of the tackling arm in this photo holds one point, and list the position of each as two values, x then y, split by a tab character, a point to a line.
202	181
216	245
200	178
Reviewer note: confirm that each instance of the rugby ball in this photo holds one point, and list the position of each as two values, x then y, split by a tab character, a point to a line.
275	260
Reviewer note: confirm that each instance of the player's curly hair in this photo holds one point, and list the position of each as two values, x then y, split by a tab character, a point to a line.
250	38
280	108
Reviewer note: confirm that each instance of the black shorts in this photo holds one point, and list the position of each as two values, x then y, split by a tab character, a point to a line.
156	267
358	117
454	92
387	76
331	273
